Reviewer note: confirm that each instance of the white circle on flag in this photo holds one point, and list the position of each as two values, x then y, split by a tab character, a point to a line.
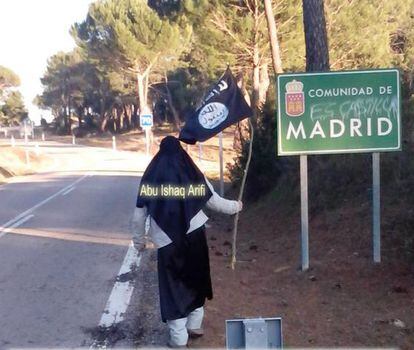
212	115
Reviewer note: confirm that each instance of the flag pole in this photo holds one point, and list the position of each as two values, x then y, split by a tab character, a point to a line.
243	183
221	163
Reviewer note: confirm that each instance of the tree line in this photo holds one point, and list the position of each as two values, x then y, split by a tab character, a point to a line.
12	108
161	55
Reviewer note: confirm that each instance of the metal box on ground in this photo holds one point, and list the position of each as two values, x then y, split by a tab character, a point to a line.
254	333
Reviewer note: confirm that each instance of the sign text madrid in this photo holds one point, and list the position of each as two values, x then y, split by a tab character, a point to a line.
339	112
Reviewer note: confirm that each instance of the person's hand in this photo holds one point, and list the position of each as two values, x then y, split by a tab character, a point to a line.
240	205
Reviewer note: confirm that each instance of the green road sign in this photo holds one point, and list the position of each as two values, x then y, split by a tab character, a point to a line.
339	112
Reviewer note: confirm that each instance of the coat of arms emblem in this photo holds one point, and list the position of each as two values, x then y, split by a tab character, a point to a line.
294	98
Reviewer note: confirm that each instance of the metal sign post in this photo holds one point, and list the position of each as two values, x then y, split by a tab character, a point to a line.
339	112
221	164
376	208
146	122
304	211
147	141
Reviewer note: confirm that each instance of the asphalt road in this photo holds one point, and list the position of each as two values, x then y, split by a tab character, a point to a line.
63	238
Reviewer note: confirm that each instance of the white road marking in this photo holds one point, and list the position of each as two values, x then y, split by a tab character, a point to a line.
120	296
16	224
68	191
38	205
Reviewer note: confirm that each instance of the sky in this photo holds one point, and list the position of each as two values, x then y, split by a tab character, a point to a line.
30	32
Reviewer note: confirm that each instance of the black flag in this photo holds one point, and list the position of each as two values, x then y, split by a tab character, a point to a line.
223	106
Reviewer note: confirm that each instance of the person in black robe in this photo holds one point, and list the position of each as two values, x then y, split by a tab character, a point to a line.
177	229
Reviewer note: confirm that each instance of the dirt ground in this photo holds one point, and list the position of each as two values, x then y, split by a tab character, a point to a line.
14	162
344	300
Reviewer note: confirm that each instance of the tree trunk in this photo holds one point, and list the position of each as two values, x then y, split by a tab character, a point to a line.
135	121
69	117
104	121
127	115
146	77
103	115
274	42
65	118
316	40
120	113
242	132
264	83
142	100
171	105
114	119
256	67
256	80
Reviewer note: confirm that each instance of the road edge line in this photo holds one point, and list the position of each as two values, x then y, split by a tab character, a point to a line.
121	293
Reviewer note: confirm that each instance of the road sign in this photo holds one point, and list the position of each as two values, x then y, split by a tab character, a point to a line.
146	120
339	112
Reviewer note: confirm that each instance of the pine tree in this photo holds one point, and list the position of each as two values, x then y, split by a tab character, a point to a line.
236	32
60	84
369	34
8	79
13	110
317	52
129	35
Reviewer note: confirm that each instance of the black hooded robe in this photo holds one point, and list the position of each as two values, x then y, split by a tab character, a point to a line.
183	265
